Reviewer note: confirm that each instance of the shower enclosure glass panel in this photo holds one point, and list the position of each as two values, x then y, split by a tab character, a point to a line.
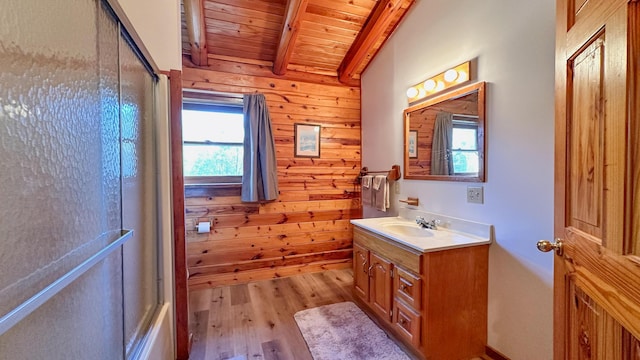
139	194
78	165
59	142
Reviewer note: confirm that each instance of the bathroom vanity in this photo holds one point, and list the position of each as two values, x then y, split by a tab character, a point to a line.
426	287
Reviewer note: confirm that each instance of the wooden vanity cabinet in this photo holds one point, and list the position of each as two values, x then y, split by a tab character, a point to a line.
434	302
386	279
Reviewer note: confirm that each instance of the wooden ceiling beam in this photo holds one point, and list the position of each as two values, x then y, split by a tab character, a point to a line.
194	14
381	19
290	30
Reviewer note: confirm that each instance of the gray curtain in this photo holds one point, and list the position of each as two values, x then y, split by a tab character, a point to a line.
260	177
441	159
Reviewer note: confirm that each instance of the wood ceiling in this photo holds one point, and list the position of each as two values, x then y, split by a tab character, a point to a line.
328	37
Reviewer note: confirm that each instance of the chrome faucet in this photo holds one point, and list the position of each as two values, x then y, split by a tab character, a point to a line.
433	224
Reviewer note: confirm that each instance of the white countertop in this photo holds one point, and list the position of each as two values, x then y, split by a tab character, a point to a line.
451	233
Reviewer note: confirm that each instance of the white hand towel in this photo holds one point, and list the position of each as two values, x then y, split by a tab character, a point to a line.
366	181
381	192
367	195
378	180
387	204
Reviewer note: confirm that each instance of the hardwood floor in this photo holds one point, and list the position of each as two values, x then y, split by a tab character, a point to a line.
255	321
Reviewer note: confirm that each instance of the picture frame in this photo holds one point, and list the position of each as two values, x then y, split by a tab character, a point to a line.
413	144
307	140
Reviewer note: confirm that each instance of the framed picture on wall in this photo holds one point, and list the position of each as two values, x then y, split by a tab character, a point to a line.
413	144
307	140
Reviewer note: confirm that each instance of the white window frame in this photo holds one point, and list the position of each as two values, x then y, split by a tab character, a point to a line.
465	122
217	107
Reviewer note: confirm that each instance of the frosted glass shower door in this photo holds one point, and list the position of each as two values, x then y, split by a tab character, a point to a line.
60	177
139	194
77	166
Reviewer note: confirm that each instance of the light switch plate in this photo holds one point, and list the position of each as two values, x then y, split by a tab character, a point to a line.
396	187
475	194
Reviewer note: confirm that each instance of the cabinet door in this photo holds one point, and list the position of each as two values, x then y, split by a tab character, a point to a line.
361	272
380	286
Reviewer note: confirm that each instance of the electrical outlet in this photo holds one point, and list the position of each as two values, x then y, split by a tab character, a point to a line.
475	194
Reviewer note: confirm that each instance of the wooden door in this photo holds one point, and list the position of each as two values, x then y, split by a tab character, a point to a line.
380	286
361	272
597	180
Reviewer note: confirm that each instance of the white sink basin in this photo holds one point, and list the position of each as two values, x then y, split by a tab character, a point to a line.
453	232
407	230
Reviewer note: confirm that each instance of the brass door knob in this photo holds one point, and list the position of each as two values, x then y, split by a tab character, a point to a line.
546	246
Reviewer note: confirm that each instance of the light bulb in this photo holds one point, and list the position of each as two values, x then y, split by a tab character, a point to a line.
462	76
429	85
440	86
422	93
450	75
412	92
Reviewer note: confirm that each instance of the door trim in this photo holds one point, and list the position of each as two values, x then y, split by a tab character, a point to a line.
179	242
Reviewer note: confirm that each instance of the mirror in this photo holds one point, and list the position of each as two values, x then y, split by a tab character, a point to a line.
444	136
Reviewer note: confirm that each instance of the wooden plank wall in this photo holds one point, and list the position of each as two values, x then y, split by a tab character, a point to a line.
308	228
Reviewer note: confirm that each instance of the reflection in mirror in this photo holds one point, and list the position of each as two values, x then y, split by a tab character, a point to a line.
444	136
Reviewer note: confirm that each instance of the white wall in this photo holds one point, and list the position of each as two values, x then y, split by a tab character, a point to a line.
513	42
157	22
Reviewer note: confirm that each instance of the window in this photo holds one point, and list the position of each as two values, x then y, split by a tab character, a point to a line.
213	137
465	146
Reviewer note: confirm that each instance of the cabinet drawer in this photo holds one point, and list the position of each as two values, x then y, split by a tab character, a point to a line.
407	322
408	288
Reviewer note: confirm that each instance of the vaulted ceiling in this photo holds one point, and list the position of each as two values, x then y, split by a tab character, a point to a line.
329	37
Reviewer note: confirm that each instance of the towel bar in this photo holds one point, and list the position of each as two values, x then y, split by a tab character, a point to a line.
410	201
16	315
393	174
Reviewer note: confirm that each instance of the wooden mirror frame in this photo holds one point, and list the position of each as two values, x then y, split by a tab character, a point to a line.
480	87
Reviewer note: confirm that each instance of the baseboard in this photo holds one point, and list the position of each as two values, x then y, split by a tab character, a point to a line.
159	344
494	354
201	281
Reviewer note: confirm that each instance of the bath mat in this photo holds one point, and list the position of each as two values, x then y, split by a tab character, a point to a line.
342	331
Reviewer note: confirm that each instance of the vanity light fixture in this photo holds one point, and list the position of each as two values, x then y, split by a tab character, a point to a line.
454	76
